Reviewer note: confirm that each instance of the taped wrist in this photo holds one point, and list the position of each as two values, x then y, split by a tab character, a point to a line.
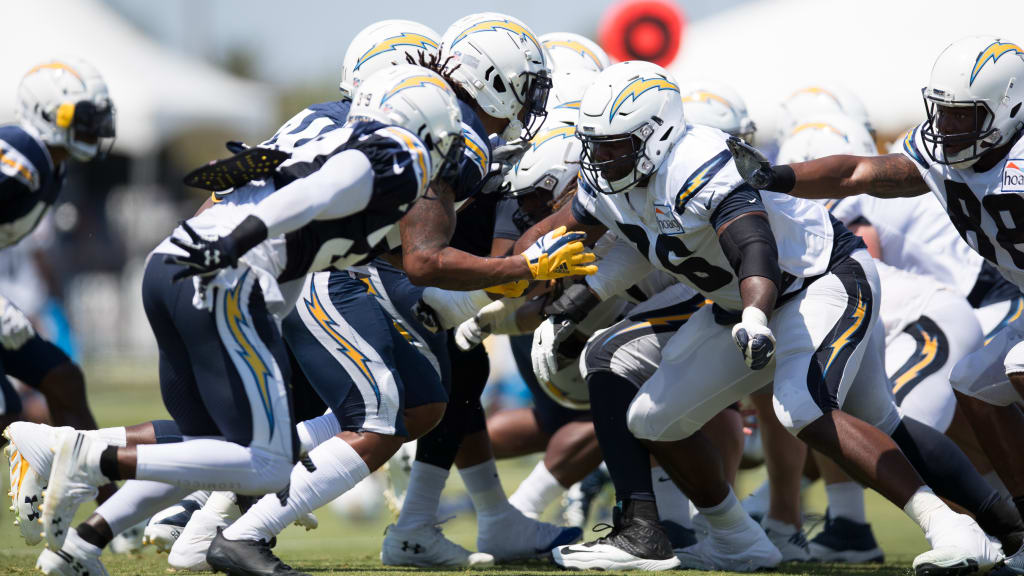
244	237
783	179
749	246
575	303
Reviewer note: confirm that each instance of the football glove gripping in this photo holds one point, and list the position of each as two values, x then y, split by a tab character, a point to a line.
15	328
547	338
755	169
576	301
754	338
558	254
204	257
513	289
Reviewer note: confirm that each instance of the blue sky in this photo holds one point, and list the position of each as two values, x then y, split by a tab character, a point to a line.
303	41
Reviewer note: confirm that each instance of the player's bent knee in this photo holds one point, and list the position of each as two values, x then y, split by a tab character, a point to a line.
64	384
646	423
423	419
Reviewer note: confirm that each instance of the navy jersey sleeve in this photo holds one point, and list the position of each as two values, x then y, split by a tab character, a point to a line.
740	201
401	166
504	220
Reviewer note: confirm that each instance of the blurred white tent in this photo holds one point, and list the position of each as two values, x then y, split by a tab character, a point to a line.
882	50
158	93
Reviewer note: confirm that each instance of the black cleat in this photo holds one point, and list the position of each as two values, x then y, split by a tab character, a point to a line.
246	558
635	543
678	535
846	541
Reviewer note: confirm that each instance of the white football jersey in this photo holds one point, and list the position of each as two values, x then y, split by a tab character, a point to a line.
986	208
915	235
670	221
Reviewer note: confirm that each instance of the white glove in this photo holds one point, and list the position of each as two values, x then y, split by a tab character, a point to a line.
754	338
15	327
546	340
498	317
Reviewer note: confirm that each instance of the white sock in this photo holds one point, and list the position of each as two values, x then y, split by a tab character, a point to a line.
536	492
996	482
223	504
726	514
74	543
673	505
213	465
426	482
485	489
759	501
779	527
338	469
116	436
200	497
315	432
846	500
136	501
925	508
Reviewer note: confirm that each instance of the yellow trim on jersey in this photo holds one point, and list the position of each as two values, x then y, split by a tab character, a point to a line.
930	349
416	149
478	154
235	320
859	313
324	321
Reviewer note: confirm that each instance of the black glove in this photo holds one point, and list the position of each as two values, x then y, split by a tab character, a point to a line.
756	170
574	304
205	257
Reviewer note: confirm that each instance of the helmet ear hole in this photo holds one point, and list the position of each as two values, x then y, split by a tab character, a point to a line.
1014	110
499	84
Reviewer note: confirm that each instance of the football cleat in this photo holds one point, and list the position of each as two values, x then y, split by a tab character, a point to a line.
633	544
426	546
189	550
742	548
845	541
72	482
75	558
959	547
130	541
512	536
792	545
246	558
25	494
165	526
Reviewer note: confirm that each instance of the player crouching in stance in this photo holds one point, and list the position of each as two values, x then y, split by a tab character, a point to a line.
223	368
772	265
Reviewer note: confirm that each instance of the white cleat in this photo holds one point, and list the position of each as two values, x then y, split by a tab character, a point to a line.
189	550
513	536
793	545
308	521
427	546
71	560
130	541
72	481
743	548
35	442
166	525
958	547
26	493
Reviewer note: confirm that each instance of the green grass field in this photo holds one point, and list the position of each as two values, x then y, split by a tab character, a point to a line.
127	394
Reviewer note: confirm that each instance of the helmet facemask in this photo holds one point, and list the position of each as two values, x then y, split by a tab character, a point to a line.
962	148
89	129
620	171
533	102
446	155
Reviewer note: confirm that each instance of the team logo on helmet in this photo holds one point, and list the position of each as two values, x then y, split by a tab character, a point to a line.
993	52
391	44
563	132
571	104
495	25
415	82
705	96
56	65
575	47
636	88
820	126
816	90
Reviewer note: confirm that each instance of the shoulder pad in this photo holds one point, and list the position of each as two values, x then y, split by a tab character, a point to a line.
23	158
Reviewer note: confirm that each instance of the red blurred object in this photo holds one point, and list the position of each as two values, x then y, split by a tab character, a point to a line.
643	30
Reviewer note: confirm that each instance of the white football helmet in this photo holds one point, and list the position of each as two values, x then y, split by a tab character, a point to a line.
574	52
500	63
418	100
981	77
568	388
384	44
630	118
819	99
826	135
65	103
567	90
551	163
719	106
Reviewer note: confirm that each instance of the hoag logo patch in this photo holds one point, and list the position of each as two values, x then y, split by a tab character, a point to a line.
1013	175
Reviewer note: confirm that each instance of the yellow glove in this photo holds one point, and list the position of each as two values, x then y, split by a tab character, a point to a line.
559	254
513	289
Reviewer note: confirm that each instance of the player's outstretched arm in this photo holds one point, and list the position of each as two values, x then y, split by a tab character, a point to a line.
562	218
838	176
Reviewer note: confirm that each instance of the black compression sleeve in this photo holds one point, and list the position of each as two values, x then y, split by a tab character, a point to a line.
245	236
784	180
749	245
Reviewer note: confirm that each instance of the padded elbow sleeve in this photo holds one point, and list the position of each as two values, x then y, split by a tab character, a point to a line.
749	245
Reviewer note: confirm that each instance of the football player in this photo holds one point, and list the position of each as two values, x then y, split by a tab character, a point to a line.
964	153
64	113
674	193
215	289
